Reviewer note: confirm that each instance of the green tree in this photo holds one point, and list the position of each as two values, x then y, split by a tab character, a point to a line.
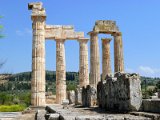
158	85
1	28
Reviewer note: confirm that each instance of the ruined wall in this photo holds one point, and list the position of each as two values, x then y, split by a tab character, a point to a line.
122	93
71	96
151	105
89	96
78	96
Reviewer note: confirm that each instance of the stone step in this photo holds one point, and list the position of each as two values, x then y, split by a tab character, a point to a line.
153	116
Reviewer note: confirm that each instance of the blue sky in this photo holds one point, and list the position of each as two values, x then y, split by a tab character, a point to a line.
138	20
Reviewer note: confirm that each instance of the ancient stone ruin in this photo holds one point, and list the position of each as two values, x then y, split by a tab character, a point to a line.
118	91
60	34
121	92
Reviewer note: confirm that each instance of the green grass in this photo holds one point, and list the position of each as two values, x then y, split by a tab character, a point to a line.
12	108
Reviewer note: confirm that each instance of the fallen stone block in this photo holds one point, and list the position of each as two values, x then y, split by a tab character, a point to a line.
65	103
151	105
54	116
40	115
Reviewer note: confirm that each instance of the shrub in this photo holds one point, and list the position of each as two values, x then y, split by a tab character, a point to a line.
12	108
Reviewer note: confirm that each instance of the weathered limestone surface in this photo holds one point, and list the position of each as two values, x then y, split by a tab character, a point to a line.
71	96
151	105
83	63
54	117
118	53
90	114
94	60
62	32
122	93
40	115
78	96
89	96
60	72
105	26
38	54
106	62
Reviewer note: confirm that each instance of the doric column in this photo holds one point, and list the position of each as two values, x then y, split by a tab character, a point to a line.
118	53
83	62
106	62
94	60
38	61
60	72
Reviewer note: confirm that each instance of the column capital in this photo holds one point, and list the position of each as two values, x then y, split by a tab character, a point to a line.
106	40
92	33
37	10
81	40
38	18
60	40
117	34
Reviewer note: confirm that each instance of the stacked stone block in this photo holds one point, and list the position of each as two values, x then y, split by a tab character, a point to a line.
78	96
89	96
38	54
71	96
122	93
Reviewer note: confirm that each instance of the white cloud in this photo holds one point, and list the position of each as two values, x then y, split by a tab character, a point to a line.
24	32
145	71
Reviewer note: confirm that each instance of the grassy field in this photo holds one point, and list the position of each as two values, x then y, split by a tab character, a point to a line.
12	108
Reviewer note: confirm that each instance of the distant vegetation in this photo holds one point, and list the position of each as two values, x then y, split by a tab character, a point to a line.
15	89
1	28
149	86
11	108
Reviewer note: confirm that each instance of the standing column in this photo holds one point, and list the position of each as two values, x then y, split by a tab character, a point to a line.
83	62
38	61
106	62
60	72
118	53
94	60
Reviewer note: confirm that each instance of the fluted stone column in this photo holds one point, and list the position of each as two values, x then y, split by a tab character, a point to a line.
118	53
60	72
94	60
106	62
83	62
38	61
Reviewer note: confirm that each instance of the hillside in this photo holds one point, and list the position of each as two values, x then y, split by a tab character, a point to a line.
22	82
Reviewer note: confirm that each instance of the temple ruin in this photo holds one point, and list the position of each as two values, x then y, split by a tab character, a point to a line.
114	91
61	33
105	27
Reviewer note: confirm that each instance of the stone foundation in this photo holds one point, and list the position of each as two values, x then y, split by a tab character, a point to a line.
89	96
151	105
122	93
